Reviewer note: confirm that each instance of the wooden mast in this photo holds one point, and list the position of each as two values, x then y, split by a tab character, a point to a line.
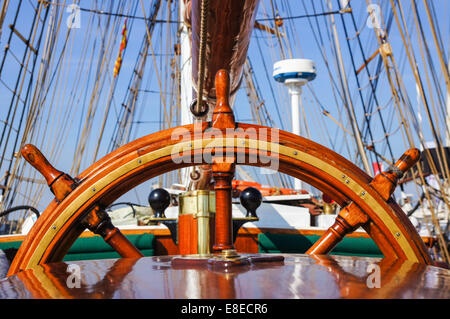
230	25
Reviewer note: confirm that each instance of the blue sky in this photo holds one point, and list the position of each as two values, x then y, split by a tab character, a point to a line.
302	34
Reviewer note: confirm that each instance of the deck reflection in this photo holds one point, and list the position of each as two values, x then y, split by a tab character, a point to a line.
298	276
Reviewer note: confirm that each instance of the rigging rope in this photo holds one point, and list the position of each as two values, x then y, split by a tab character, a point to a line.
319	40
200	107
128	106
105	57
27	54
413	65
367	119
270	86
307	15
111	94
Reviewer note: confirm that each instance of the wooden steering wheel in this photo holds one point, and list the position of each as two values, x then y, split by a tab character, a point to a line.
79	202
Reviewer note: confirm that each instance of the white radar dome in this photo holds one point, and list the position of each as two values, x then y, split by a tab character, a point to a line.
301	69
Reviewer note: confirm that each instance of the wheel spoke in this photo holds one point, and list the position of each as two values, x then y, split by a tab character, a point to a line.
99	223
348	219
351	217
60	183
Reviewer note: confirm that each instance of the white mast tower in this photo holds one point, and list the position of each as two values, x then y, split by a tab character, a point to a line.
295	73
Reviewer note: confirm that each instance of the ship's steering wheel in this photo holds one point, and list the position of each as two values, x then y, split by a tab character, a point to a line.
366	201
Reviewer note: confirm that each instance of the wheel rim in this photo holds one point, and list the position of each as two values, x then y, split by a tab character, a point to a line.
150	156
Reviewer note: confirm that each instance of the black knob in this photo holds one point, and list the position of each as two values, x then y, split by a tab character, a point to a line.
251	198
159	200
